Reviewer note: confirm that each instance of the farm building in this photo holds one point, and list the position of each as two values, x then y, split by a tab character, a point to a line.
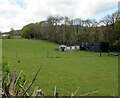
87	46
5	35
69	47
94	46
8	36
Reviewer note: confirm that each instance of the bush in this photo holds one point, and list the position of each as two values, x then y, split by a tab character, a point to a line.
116	46
14	84
5	69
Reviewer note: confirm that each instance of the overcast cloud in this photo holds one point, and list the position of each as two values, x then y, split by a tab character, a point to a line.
17	13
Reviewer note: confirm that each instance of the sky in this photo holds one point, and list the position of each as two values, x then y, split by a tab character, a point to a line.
18	13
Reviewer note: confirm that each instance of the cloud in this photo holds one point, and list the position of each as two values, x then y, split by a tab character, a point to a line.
17	13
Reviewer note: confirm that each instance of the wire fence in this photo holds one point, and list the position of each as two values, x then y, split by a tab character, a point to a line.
69	54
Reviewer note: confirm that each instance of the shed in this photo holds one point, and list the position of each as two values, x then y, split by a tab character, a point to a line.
62	48
69	47
94	46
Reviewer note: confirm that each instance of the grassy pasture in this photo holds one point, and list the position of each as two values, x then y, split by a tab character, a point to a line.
66	70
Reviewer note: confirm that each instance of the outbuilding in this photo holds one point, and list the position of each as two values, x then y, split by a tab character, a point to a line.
62	48
94	46
87	46
69	47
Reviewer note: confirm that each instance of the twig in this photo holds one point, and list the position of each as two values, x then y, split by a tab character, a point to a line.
76	91
72	95
32	81
89	93
8	78
5	90
12	80
35	92
23	89
55	91
1	79
17	78
1	91
40	92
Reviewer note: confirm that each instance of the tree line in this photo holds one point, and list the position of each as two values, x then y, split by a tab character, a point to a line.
64	30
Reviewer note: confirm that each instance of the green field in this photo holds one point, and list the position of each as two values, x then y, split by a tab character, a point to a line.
66	70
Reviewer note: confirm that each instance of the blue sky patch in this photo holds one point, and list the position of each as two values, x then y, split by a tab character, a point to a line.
101	15
20	3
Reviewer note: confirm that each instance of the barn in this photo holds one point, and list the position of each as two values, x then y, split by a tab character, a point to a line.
94	46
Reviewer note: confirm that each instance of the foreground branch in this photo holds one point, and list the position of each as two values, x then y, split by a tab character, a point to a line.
32	81
89	93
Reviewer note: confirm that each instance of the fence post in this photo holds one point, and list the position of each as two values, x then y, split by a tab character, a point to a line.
16	55
100	53
47	54
108	52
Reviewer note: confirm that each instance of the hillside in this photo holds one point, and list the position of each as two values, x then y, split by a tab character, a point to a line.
66	70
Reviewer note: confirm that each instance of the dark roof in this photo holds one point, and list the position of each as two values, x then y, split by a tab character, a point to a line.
94	42
84	43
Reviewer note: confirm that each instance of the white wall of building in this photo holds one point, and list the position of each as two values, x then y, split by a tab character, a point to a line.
69	48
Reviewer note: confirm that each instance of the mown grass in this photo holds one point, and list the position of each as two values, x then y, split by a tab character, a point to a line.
66	70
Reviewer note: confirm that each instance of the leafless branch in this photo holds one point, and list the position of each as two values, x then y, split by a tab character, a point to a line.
23	89
55	91
35	93
76	91
17	78
32	81
12	80
89	93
